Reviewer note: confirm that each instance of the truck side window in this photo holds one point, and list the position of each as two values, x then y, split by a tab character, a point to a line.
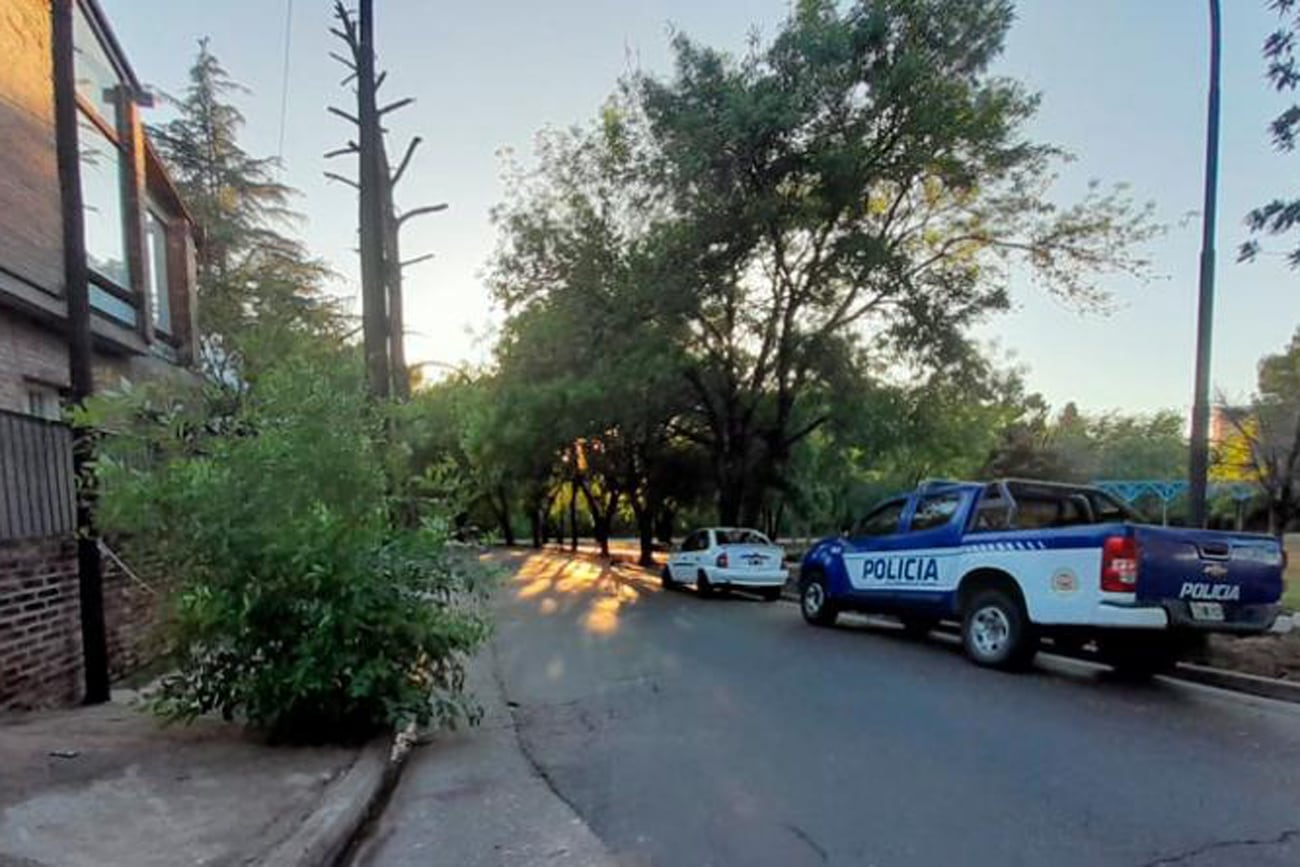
882	521
935	511
991	511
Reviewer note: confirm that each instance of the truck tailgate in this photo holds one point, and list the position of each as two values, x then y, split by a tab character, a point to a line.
1181	568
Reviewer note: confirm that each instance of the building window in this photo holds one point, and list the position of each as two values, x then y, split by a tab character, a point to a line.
98	80
101	193
44	402
100	85
155	241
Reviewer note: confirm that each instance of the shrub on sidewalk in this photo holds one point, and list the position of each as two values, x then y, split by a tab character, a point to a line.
302	607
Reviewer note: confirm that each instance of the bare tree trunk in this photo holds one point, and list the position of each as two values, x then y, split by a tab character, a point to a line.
730	494
602	536
393	273
665	517
601	516
371	196
645	526
573	515
501	503
535	525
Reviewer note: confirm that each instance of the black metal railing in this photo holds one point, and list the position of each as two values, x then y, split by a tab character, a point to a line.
37	488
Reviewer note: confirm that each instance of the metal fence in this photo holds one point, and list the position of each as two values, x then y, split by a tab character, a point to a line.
37	490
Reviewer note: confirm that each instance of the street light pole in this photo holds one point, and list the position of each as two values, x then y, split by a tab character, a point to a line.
1198	462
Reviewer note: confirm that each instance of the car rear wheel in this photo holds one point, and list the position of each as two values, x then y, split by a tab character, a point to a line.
995	631
666	578
815	602
703	585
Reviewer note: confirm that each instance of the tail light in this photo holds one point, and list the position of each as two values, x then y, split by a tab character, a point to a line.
1119	564
722	560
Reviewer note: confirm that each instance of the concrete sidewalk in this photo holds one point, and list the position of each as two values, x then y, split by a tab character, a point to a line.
473	799
107	785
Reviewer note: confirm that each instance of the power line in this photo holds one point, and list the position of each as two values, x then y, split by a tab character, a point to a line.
284	80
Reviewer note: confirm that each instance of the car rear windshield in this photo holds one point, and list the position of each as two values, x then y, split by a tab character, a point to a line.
741	537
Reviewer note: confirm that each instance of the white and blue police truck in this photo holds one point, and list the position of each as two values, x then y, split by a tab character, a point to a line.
1016	561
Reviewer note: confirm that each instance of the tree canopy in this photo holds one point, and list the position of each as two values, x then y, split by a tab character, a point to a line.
727	257
1280	215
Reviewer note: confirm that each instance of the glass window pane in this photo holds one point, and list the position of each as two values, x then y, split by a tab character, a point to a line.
101	192
155	239
112	306
741	537
883	521
935	511
97	78
44	402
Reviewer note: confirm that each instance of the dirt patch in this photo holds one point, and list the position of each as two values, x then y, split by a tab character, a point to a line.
1264	655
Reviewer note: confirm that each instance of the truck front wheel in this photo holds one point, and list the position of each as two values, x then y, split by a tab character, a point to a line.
815	601
995	631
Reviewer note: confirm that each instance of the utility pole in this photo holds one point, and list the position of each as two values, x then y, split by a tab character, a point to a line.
1199	452
380	222
76	289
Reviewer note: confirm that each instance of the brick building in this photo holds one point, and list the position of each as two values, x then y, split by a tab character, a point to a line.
139	241
139	245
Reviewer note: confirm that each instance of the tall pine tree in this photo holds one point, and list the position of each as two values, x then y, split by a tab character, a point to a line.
251	274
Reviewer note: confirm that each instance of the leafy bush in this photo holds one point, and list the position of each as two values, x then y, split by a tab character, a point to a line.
301	607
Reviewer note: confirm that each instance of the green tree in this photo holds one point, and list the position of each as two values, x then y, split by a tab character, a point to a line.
1083	448
300	607
883	436
864	172
1279	216
1267	434
248	269
579	271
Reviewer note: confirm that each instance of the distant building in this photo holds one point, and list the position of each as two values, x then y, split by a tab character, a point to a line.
139	239
1224	421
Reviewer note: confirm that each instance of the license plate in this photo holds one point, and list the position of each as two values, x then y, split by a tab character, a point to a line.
1210	611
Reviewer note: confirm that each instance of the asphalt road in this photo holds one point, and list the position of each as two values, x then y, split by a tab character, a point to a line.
688	731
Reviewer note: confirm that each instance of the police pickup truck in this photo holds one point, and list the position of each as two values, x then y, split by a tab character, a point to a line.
1016	561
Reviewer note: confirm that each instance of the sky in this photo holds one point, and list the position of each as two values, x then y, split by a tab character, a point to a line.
1123	89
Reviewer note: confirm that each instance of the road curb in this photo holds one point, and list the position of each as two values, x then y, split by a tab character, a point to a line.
1252	684
345	806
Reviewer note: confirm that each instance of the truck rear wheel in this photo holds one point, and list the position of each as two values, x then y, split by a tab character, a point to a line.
1139	656
995	631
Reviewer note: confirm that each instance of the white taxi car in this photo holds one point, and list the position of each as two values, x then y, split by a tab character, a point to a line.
720	558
